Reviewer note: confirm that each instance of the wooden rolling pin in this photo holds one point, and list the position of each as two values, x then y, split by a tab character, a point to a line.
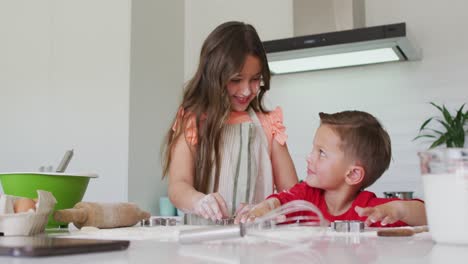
404	231
102	215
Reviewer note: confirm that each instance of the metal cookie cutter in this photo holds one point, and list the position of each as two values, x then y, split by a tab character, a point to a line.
192	219
347	226
159	222
225	221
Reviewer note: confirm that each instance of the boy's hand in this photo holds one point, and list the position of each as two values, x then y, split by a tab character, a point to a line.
242	210
387	213
249	212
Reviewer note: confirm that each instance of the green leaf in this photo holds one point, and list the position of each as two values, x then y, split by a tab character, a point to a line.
438	142
425	123
460	143
460	115
453	132
459	119
447	115
449	144
447	126
435	131
438	107
424	136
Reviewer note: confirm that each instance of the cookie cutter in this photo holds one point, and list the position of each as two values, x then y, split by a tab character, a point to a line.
159	221
192	219
347	226
224	221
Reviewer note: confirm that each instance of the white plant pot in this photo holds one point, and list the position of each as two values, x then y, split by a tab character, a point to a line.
445	182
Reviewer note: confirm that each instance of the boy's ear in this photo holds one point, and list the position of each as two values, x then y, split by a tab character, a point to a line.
355	175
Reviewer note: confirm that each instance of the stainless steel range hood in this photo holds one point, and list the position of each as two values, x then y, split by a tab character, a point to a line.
344	48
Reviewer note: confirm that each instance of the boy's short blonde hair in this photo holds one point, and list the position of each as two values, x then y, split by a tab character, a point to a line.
363	139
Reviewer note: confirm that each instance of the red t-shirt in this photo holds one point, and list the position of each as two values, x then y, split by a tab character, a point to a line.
302	191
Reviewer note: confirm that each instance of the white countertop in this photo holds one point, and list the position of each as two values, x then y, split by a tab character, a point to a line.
300	245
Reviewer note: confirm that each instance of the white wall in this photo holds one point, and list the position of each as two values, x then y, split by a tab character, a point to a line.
64	78
396	93
96	76
157	70
271	18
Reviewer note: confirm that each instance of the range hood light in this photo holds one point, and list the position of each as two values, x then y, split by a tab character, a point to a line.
341	49
334	61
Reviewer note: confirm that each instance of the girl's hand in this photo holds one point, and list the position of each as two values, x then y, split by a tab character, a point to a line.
387	213
211	206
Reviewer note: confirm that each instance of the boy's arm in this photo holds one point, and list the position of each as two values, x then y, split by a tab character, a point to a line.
414	212
411	212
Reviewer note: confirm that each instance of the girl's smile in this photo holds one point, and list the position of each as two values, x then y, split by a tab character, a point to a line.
242	100
243	86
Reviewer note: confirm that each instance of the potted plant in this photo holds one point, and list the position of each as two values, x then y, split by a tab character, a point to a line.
454	125
445	175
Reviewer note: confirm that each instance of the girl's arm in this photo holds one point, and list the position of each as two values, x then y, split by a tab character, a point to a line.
181	176
181	185
284	172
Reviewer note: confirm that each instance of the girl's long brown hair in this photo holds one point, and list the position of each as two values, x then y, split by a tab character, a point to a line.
222	55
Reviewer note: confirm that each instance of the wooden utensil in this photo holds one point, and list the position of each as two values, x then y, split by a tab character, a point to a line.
404	231
102	215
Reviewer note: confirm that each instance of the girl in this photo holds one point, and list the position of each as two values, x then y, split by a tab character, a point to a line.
224	149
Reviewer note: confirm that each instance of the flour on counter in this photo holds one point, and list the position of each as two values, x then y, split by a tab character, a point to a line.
158	233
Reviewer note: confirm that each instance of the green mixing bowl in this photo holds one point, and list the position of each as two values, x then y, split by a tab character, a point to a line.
68	188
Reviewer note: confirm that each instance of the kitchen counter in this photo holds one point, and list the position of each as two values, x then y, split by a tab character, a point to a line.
297	245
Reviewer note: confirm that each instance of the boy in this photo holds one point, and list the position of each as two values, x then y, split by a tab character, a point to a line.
350	152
